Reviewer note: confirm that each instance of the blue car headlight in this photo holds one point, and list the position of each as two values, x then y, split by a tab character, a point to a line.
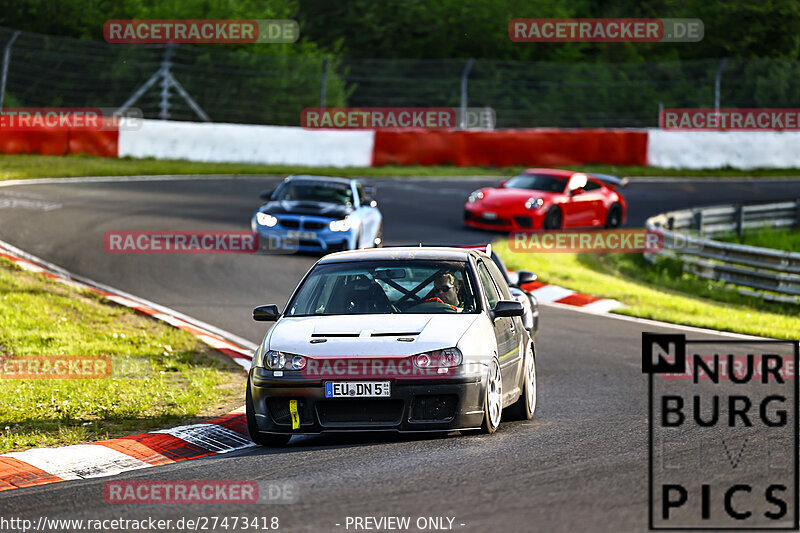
344	224
265	219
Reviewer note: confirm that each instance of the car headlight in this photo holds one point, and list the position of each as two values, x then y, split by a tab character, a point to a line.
275	360
534	203
265	219
344	224
475	196
447	358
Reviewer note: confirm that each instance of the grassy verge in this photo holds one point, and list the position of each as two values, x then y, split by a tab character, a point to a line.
39	166
169	377
778	239
661	293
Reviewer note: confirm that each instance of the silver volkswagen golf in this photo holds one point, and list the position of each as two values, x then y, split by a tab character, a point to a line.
399	339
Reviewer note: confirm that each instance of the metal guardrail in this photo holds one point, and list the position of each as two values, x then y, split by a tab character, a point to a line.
775	271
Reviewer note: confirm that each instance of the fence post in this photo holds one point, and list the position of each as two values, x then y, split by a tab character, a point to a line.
6	61
163	105
464	76
797	213
718	82
740	221
323	86
698	221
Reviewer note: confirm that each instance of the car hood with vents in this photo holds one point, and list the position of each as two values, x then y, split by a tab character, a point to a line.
369	335
301	207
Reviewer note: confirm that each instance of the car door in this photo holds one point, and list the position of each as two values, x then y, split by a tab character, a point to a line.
593	195
517	324
578	207
505	330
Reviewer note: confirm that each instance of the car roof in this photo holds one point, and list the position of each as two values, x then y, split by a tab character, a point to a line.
561	173
327	179
555	172
402	253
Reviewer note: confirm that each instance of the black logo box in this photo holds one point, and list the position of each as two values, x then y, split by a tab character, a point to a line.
676	345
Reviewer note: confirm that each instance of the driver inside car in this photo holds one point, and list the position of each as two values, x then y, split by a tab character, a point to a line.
445	290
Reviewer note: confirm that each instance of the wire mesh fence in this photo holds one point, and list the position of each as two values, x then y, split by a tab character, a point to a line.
239	86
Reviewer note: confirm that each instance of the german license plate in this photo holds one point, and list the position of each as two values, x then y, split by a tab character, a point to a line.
490	215
296	235
357	389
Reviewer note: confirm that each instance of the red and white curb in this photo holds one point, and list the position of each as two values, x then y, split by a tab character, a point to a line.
554	294
40	466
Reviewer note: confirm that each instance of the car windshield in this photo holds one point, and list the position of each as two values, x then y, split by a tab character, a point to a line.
329	192
385	287
537	182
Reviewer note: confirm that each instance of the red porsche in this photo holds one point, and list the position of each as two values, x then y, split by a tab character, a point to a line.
545	198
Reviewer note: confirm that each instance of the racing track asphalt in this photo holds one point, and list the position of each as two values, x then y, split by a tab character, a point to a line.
580	465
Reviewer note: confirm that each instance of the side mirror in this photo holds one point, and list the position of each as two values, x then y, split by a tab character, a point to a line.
503	183
507	308
266	313
525	276
266	195
575	192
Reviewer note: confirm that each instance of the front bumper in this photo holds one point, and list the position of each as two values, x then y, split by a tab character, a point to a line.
279	238
497	219
415	405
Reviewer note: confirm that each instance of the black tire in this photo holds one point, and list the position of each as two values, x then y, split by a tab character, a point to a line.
525	406
614	216
489	425
262	439
553	218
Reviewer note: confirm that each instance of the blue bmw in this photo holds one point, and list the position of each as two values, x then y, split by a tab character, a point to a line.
318	214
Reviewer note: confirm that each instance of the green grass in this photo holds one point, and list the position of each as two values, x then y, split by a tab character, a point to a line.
163	376
662	293
40	166
778	239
